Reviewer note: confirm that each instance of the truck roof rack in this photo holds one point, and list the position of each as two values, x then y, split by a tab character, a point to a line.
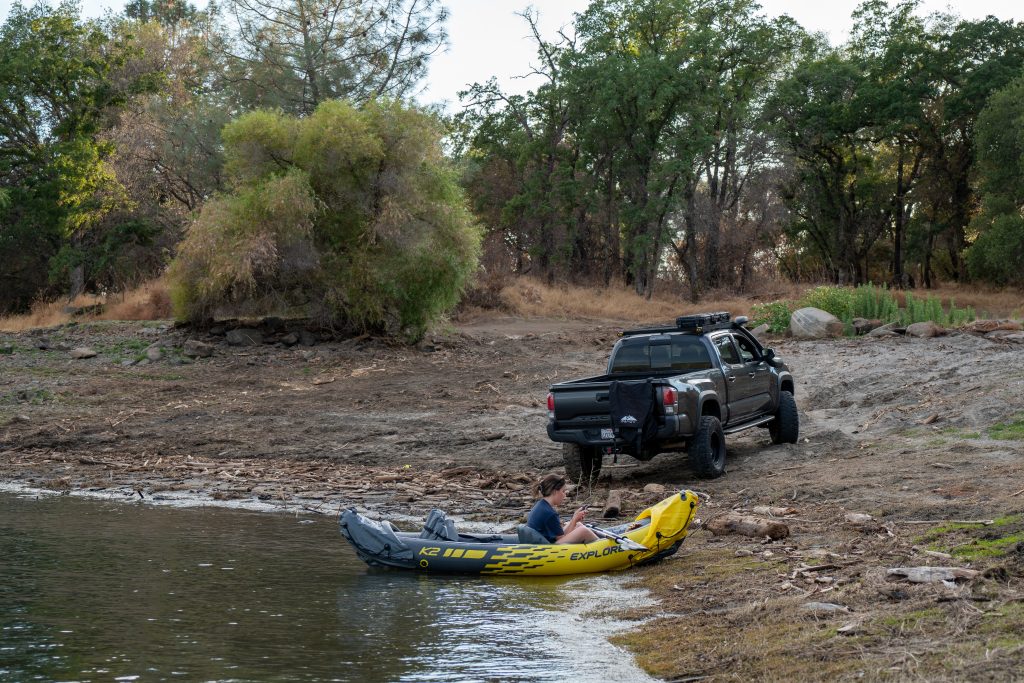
697	324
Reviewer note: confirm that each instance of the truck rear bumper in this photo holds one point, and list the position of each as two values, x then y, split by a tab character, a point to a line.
674	428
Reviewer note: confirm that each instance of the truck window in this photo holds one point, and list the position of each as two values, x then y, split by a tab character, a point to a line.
685	353
726	349
632	357
747	351
689	354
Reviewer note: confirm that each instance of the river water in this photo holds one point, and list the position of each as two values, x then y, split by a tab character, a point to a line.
94	590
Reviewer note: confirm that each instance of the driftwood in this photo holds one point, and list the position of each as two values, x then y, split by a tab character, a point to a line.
747	526
931	574
771	511
613	505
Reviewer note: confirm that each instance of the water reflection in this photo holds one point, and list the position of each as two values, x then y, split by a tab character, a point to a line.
101	591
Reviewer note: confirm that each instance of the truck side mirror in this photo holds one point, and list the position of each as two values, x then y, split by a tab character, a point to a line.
768	355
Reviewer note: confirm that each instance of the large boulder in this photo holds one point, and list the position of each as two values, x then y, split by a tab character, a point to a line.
197	349
925	330
814	323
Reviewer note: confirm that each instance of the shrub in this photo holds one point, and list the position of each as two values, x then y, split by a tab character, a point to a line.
350	216
775	314
836	300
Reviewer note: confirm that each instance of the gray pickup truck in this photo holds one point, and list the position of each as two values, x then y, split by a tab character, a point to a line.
680	388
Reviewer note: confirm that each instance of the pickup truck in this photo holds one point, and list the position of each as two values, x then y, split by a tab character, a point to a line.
679	388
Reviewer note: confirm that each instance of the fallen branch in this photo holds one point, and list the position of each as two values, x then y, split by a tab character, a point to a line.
747	526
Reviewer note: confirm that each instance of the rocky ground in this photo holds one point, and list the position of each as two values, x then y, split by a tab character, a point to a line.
910	455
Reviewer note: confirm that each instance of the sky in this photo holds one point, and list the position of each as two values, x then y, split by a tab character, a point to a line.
486	38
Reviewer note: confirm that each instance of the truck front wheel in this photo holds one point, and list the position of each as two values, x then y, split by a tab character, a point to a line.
785	428
707	448
582	463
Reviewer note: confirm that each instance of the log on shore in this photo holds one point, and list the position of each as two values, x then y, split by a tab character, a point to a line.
747	526
613	505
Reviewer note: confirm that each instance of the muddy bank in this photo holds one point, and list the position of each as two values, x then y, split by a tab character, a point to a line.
913	432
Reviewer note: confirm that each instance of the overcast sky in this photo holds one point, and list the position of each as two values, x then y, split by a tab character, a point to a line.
486	38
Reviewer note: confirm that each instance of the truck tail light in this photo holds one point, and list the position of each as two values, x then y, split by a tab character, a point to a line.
551	406
668	400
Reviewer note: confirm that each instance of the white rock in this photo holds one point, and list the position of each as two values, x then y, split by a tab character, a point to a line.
814	323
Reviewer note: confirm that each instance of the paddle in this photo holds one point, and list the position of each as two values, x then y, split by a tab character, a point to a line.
627	543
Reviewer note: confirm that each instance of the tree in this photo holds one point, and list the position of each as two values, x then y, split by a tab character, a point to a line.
296	54
58	85
351	216
723	221
997	254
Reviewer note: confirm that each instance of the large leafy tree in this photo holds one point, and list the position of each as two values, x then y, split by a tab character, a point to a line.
997	254
296	54
57	93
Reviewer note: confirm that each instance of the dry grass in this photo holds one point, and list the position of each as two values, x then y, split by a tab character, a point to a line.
531	298
150	301
987	303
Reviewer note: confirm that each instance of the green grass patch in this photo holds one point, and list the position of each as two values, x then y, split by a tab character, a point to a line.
1008	431
973	541
993	547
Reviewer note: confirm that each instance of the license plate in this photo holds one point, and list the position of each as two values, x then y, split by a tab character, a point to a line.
607	434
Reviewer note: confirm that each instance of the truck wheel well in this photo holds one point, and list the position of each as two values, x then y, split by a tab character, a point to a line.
711	408
788	386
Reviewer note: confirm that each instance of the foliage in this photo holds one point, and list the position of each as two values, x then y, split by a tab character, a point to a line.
866	301
295	54
836	300
775	314
350	215
997	255
883	135
874	303
58	77
645	136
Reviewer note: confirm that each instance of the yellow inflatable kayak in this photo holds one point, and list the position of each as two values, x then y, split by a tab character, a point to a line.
656	532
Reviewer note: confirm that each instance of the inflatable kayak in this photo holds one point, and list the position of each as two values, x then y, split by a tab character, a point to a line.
656	533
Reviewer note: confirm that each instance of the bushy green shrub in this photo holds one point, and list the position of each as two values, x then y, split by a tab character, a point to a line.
836	300
775	314
352	216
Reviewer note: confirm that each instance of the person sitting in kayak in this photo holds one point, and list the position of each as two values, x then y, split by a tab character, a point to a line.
544	515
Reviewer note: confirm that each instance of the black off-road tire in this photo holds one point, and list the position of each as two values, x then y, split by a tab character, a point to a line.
582	463
785	428
707	448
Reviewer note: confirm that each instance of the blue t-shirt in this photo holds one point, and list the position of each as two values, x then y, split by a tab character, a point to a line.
544	519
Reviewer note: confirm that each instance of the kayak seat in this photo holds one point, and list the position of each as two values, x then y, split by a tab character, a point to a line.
439	528
527	534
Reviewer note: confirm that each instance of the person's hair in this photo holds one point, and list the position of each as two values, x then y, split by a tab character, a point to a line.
548	485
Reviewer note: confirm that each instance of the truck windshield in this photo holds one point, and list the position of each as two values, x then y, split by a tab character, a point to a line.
685	353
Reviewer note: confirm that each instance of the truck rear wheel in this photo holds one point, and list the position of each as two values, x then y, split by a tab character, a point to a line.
707	448
785	428
582	463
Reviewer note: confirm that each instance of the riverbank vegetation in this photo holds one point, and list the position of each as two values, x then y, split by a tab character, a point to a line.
675	146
